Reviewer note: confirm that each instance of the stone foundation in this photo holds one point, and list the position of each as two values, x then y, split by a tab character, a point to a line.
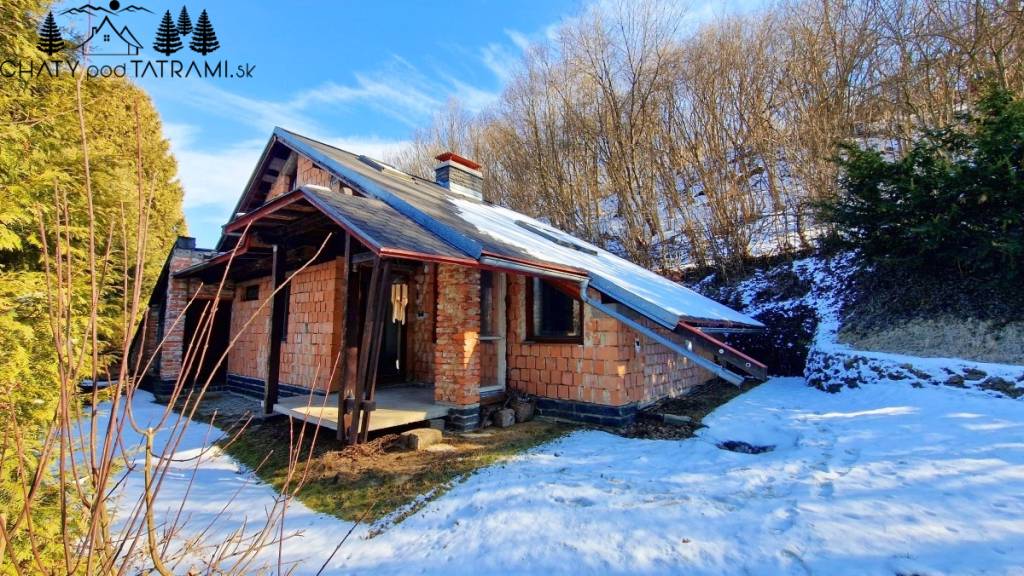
587	412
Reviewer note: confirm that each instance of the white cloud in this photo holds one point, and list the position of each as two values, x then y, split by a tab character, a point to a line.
213	179
397	89
374	147
499	60
522	41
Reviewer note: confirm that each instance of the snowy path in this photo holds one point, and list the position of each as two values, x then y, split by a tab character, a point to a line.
886	479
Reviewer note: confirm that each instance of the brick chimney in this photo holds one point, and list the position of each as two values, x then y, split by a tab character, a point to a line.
460	175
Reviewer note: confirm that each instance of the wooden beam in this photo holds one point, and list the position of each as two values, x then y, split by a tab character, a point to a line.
364	352
364	258
726	353
341	318
369	402
277	323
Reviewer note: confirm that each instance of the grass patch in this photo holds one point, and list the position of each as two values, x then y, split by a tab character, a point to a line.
345	482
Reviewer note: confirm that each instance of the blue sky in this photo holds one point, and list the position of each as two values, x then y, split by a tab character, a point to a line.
359	74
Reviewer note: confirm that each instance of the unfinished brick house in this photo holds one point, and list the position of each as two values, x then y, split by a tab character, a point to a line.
351	294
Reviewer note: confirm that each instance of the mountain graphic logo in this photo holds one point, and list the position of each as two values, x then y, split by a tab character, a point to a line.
113	8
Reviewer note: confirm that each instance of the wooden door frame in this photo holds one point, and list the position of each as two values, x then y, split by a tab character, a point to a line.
499	287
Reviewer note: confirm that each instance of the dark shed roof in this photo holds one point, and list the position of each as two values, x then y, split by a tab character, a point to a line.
381	227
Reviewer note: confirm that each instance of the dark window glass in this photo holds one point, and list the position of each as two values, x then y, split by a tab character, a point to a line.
486	303
555	315
251	293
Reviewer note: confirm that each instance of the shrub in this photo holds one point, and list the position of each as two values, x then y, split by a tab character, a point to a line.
954	202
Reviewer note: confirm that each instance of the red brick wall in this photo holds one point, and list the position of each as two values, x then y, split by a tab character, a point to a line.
248	356
665	373
314	332
150	325
281	186
420	348
456	351
308	353
606	369
309	173
306	173
179	293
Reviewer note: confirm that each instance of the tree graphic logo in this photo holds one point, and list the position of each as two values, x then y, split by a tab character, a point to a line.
50	40
204	39
168	40
184	22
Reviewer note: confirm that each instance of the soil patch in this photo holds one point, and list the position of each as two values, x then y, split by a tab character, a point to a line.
688	410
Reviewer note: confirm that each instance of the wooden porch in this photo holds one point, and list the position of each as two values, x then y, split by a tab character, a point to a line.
396	406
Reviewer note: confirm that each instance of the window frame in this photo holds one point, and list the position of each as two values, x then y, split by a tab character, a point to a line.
251	293
531	333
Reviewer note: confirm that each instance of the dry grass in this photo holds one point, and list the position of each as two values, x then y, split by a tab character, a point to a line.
381	476
946	336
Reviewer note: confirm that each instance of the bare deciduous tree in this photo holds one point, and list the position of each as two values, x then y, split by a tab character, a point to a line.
678	145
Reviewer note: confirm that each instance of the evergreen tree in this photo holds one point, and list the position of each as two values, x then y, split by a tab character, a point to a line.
184	22
168	40
50	40
40	153
954	204
204	40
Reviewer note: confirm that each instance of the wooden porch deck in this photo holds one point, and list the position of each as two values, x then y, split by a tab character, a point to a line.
396	406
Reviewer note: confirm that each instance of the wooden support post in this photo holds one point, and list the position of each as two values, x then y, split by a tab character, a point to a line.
364	352
277	322
370	386
341	315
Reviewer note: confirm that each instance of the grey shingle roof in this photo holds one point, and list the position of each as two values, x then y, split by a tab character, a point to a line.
477	229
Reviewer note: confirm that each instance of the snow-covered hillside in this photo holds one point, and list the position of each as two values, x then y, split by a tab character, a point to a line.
802	303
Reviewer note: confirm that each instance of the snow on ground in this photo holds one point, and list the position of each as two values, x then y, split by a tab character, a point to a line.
833	362
884	479
223	501
828	280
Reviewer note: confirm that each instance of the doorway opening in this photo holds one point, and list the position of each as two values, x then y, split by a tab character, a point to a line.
216	345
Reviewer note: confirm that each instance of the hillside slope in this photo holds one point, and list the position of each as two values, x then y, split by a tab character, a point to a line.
807	302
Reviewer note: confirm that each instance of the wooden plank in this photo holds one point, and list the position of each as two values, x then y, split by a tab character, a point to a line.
277	320
364	352
726	353
341	313
376	343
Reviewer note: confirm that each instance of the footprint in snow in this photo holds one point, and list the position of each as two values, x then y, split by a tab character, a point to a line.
578	501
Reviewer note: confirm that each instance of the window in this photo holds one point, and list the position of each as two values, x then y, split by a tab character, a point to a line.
551	314
486	303
251	293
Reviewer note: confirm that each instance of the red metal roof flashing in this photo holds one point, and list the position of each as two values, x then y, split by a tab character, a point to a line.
453	157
